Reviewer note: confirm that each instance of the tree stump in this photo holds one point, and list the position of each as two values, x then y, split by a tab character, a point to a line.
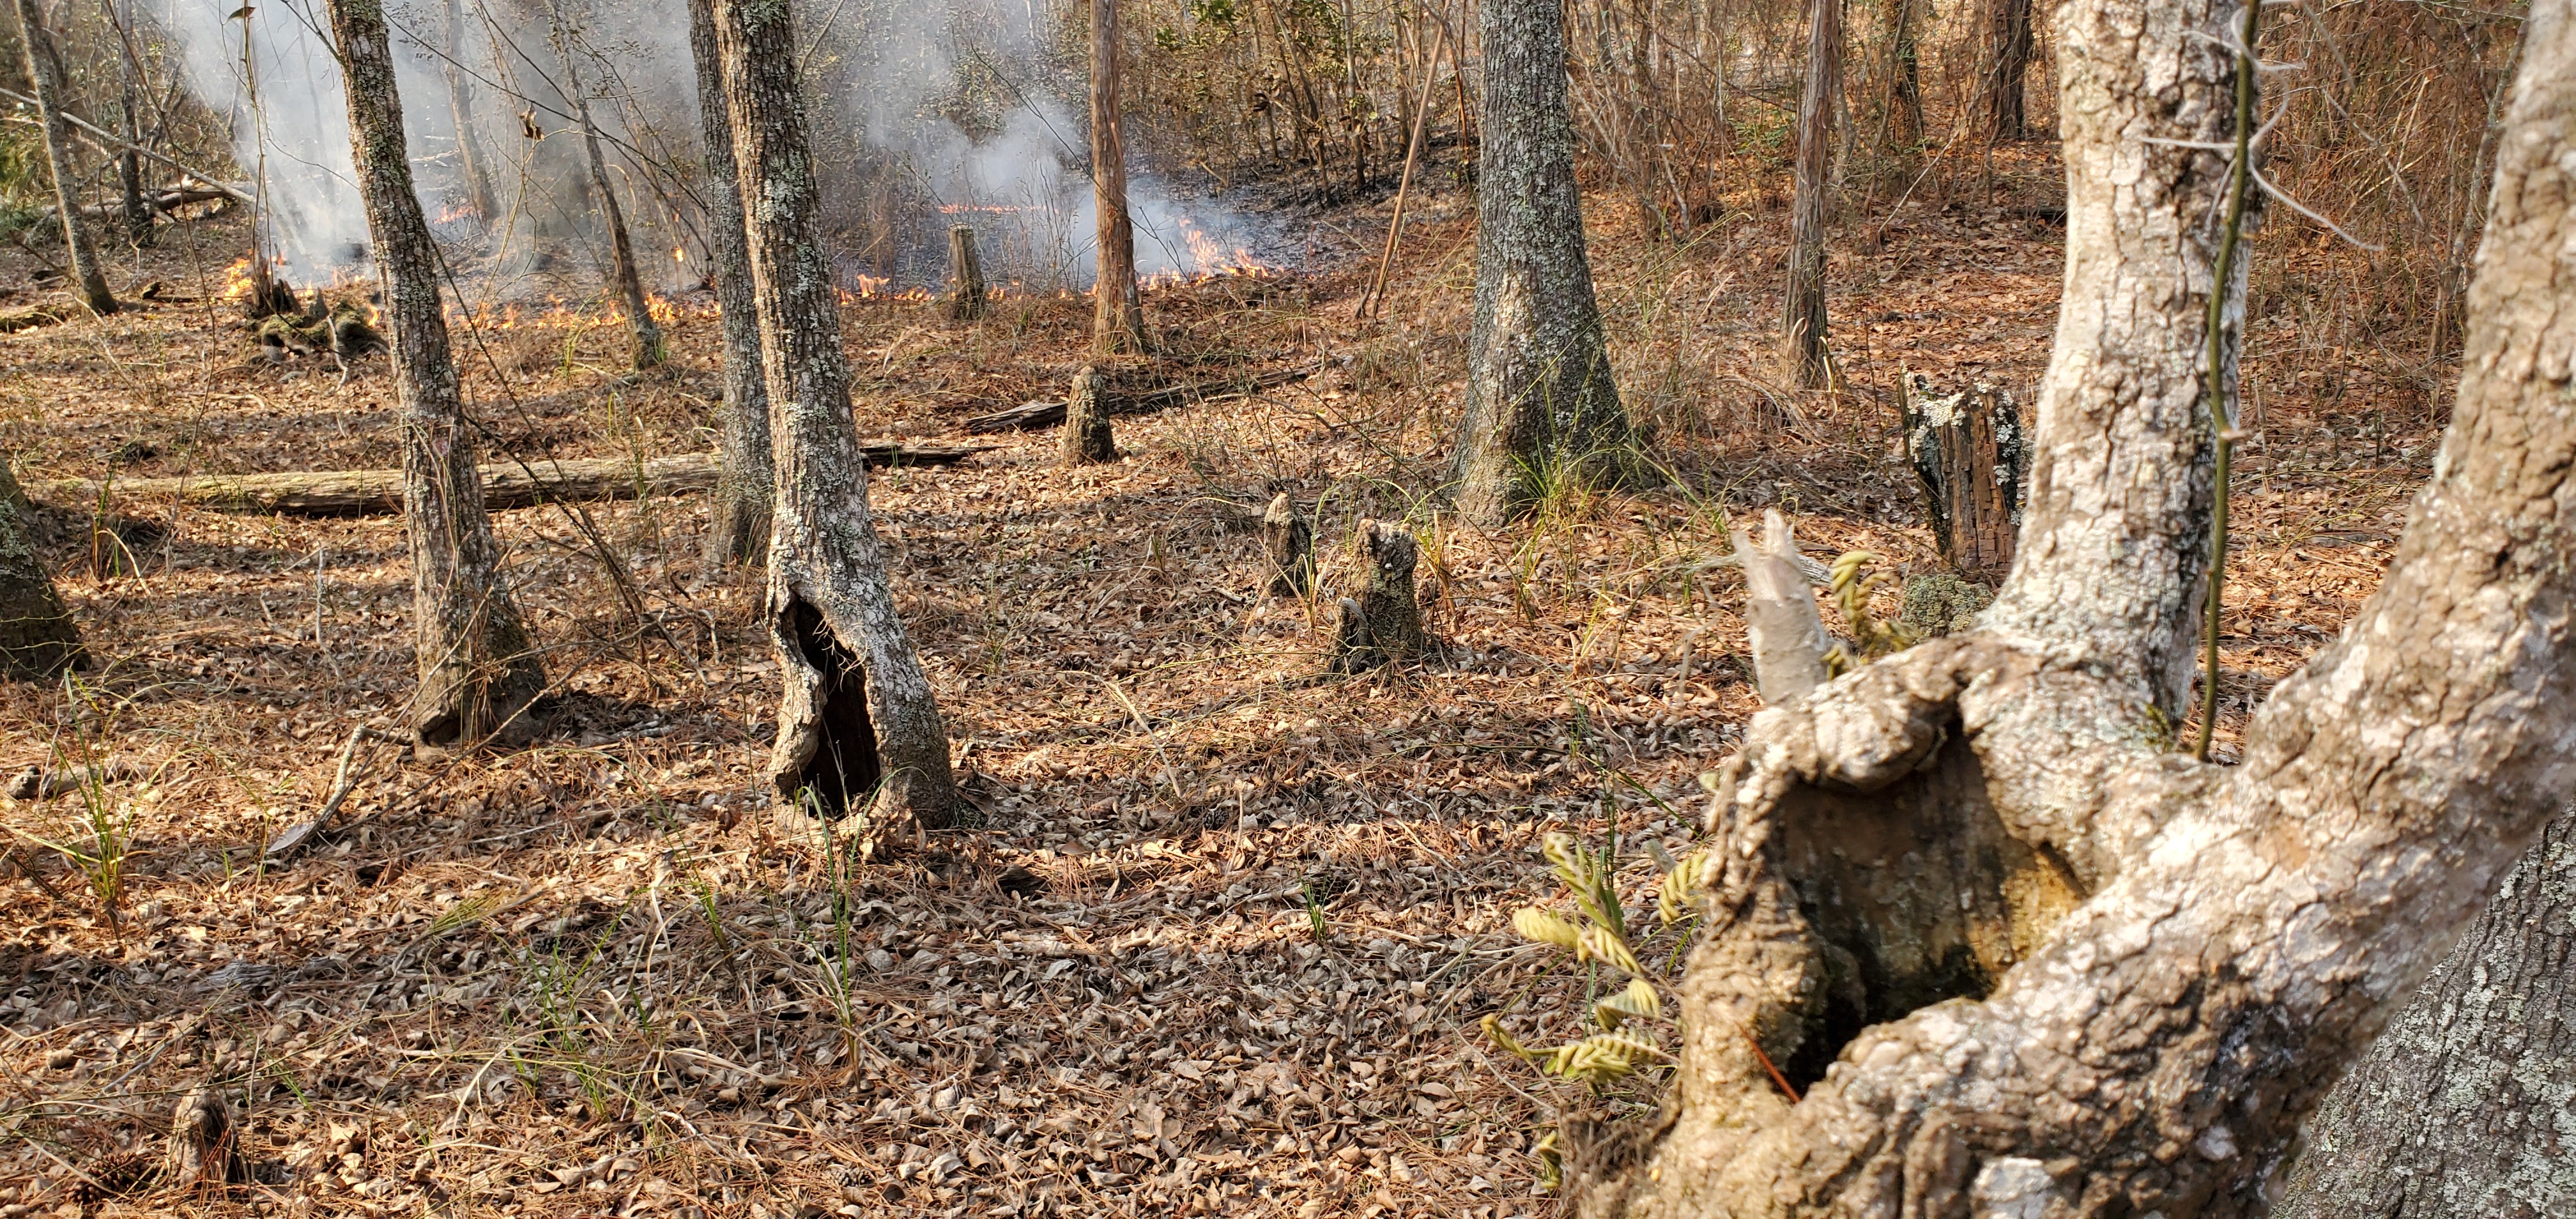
966	299
1383	624
37	636
1786	633
1086	436
205	1144
1288	542
1972	456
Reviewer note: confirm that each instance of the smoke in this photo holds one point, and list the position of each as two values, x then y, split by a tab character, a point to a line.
955	111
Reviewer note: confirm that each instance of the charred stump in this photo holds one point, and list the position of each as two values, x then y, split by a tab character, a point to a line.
1086	439
1288	543
966	300
1972	457
1383	624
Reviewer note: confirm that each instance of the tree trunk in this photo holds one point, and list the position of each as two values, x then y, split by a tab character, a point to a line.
44	77
477	670
857	720
1803	330
1541	404
2022	956
1904	99
1118	311
649	352
2460	1107
2007	59
1382	624
966	274
1085	440
129	169
477	176
37	636
739	532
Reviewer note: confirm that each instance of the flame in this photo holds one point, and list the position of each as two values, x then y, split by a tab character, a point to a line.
994	209
237	280
679	254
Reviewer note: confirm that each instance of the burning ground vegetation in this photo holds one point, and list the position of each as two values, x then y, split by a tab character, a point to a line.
1227	932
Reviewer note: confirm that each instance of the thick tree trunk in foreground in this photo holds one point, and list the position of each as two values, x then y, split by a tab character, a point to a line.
477	671
44	77
2000	96
1541	404
739	532
2460	1108
2023	956
649	352
470	166
1802	329
37	636
858	723
1117	311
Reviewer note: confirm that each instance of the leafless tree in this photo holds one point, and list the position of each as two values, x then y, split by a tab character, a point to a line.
45	76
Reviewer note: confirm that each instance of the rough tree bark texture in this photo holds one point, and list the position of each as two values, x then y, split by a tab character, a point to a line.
2463	1107
1085	440
37	636
966	275
1288	547
1540	400
1969	452
1904	84
2026	958
857	719
1382	624
2001	95
649	351
477	672
1118	311
470	165
1802	328
44	66
739	530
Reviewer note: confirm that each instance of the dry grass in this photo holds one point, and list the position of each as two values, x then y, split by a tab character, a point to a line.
594	977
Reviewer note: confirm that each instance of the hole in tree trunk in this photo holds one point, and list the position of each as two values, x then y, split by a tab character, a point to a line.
844	766
1917	895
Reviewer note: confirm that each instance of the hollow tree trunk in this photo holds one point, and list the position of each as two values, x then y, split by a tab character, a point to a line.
2007	79
1541	404
2459	1107
1118	312
2023	956
740	529
858	718
1803	329
649	352
477	671
37	635
470	166
44	77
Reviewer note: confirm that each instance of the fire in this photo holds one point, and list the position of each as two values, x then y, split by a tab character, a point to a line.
990	209
237	280
679	254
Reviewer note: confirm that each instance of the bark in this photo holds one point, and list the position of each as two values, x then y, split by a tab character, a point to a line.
1084	440
1541	404
475	174
505	484
2462	1106
2000	100
205	1143
1783	629
1118	311
739	532
1288	547
2022	956
477	671
649	351
1969	452
37	636
1904	97
129	170
44	76
857	722
1803	328
966	299
1382	624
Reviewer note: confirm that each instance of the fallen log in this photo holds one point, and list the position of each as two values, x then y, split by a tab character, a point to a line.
379	492
1028	416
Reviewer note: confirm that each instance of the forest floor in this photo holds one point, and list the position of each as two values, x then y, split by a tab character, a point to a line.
1222	939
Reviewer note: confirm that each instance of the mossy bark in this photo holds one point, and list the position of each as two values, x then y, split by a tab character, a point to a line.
477	671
